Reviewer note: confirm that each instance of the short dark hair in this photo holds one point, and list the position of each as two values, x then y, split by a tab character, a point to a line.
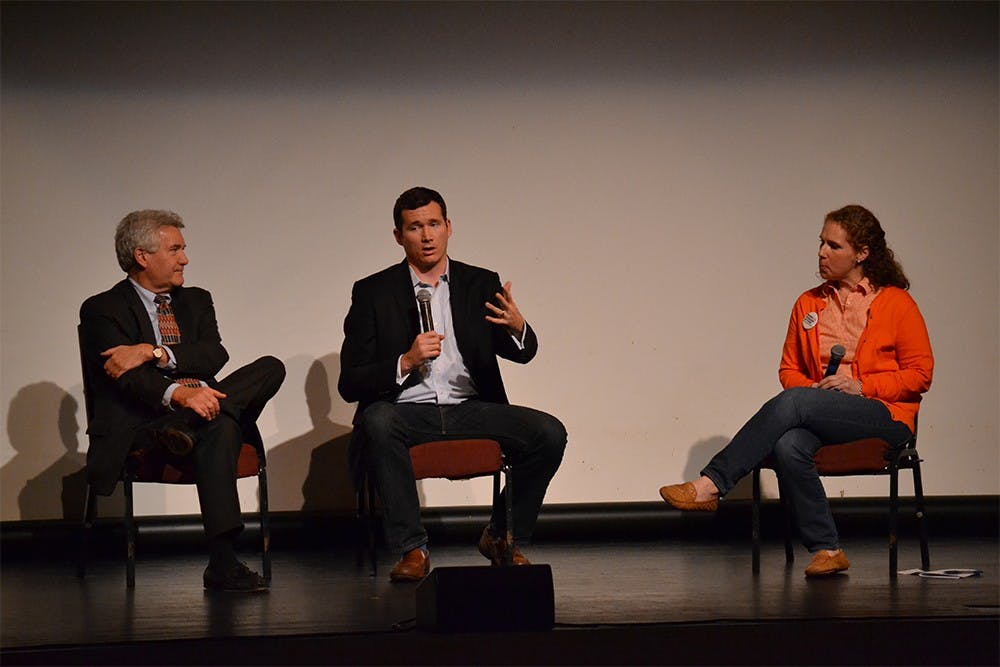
416	198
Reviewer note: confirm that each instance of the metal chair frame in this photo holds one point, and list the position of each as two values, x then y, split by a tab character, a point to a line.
128	478
905	457
366	497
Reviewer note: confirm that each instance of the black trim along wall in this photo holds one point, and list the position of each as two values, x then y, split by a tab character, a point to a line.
947	516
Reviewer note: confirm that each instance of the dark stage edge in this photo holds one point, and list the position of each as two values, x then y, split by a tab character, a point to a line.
901	641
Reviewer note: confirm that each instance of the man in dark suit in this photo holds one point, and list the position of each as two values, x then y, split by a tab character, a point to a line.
415	387
151	349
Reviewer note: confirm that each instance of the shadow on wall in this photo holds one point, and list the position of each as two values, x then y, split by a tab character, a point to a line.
46	478
316	461
701	453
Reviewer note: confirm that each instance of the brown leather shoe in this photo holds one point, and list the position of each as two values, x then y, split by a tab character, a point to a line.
495	548
413	566
682	496
824	564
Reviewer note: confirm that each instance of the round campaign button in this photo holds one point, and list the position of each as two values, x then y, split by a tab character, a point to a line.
810	320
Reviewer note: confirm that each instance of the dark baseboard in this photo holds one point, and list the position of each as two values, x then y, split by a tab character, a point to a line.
947	516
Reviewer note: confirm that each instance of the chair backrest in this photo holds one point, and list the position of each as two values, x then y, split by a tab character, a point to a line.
456	459
88	400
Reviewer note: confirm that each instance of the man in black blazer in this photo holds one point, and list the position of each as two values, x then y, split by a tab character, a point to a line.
151	349
414	386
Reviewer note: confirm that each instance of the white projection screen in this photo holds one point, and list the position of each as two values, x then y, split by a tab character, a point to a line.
651	177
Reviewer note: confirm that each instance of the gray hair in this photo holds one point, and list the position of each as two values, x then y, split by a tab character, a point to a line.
139	230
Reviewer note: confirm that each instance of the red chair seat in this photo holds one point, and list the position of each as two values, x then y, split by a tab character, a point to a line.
853	458
156	465
858	457
456	459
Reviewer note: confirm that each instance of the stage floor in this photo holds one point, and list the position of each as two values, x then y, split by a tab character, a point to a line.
49	615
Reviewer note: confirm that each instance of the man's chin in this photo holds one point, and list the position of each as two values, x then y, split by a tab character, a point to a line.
424	263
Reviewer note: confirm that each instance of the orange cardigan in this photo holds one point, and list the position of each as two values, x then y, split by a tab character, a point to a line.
893	360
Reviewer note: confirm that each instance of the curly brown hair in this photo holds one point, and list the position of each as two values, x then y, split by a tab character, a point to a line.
863	230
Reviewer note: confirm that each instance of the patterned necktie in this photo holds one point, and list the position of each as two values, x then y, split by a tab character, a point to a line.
170	334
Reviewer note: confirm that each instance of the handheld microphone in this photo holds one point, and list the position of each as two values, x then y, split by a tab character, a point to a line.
837	353
427	320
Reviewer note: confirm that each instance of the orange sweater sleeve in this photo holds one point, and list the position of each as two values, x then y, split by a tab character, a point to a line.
895	362
796	365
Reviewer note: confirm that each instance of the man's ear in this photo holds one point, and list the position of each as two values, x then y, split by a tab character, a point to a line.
139	255
398	234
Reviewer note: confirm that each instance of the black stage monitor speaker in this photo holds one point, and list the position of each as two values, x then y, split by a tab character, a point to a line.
476	599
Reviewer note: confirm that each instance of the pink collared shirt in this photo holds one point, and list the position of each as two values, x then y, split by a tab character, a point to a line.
842	322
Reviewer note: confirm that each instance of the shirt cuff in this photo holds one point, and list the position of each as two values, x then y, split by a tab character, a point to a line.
169	394
400	378
520	341
171	359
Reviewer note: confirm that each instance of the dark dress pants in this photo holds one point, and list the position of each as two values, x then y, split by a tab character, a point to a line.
532	441
793	426
218	442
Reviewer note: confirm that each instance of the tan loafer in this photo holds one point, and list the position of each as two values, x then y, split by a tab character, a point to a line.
823	564
682	496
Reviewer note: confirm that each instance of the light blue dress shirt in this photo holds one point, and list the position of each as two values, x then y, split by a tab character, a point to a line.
446	379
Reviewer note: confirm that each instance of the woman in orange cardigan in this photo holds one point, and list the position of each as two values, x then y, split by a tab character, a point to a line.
875	391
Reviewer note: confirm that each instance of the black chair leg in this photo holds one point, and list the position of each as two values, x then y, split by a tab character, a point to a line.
755	522
360	534
496	488
89	511
893	518
918	496
265	523
130	531
496	492
365	526
508	557
371	529
786	514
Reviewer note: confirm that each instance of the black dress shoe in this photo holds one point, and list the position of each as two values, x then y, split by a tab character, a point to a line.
175	437
237	579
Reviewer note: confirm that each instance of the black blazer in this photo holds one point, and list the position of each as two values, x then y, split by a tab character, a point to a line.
117	317
383	321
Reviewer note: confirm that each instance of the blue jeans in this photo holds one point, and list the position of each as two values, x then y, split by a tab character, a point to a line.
532	441
793	426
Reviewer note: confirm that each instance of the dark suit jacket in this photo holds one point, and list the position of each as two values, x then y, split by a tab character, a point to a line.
120	407
383	321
